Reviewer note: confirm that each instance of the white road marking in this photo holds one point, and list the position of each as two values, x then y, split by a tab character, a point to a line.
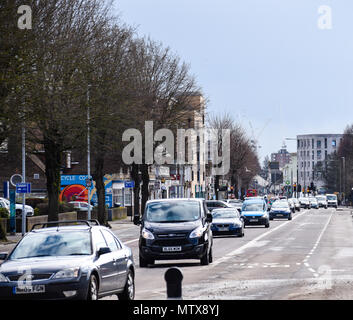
252	243
130	241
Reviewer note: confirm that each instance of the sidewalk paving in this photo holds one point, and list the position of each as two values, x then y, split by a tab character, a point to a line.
13	239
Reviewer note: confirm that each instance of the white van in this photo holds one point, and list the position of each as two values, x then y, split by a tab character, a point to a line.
332	200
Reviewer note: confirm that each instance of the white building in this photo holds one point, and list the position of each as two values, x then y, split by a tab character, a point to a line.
311	150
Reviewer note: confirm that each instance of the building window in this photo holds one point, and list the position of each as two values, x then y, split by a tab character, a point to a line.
325	143
118	196
312	143
318	154
325	154
334	143
318	144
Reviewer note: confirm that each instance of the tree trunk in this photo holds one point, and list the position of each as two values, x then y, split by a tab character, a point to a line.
53	156
98	177
145	183
136	178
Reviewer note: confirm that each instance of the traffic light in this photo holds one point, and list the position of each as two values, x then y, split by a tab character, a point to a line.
308	190
294	187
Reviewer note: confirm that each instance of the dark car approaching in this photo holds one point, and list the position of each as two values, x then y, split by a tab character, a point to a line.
254	212
280	209
83	261
175	229
227	221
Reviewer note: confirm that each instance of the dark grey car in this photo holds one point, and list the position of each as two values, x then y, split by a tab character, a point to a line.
83	262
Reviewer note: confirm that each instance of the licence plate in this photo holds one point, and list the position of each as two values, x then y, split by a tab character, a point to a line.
171	249
254	220
223	229
29	289
279	215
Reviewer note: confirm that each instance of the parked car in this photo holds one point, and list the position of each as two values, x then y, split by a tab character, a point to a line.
213	204
322	200
280	209
59	261
304	202
80	205
5	203
175	229
254	212
227	221
296	204
313	203
332	200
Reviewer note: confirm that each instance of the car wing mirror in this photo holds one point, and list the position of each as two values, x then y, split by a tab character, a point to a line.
3	255
103	250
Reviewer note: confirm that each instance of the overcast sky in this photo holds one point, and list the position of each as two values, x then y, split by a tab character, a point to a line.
279	67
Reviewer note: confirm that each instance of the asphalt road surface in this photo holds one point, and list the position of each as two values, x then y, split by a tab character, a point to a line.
309	257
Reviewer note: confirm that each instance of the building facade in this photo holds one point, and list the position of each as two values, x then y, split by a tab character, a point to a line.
314	149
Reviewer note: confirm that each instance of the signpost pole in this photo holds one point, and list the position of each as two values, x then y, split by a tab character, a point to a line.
23	180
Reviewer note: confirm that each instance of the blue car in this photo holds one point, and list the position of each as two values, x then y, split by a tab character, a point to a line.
254	212
280	209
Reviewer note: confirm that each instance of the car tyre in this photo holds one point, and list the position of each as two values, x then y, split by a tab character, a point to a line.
267	225
205	260
92	288
129	289
290	217
144	262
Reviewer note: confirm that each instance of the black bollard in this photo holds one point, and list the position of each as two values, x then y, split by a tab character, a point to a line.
174	277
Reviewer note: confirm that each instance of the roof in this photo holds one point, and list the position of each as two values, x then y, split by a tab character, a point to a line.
176	199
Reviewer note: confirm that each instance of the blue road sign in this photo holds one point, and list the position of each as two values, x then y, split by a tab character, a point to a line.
23	188
129	184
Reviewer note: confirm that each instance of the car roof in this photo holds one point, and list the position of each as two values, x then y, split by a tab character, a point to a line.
176	199
254	200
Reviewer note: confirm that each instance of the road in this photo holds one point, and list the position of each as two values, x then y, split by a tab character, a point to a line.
309	257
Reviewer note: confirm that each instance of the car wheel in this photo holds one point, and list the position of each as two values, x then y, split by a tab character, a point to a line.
129	289
290	217
93	288
267	225
205	260
145	262
210	256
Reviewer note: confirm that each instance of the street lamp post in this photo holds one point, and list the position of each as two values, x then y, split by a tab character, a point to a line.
88	154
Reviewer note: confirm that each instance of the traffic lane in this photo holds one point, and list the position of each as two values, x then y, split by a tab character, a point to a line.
271	269
150	281
331	259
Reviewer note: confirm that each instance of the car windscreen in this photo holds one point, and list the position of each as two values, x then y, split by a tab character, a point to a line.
280	204
224	214
321	198
173	211
257	206
331	198
43	244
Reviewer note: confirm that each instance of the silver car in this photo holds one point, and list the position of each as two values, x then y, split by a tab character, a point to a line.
227	221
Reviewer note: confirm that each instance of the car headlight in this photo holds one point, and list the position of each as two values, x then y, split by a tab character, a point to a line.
197	233
3	278
67	273
147	234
